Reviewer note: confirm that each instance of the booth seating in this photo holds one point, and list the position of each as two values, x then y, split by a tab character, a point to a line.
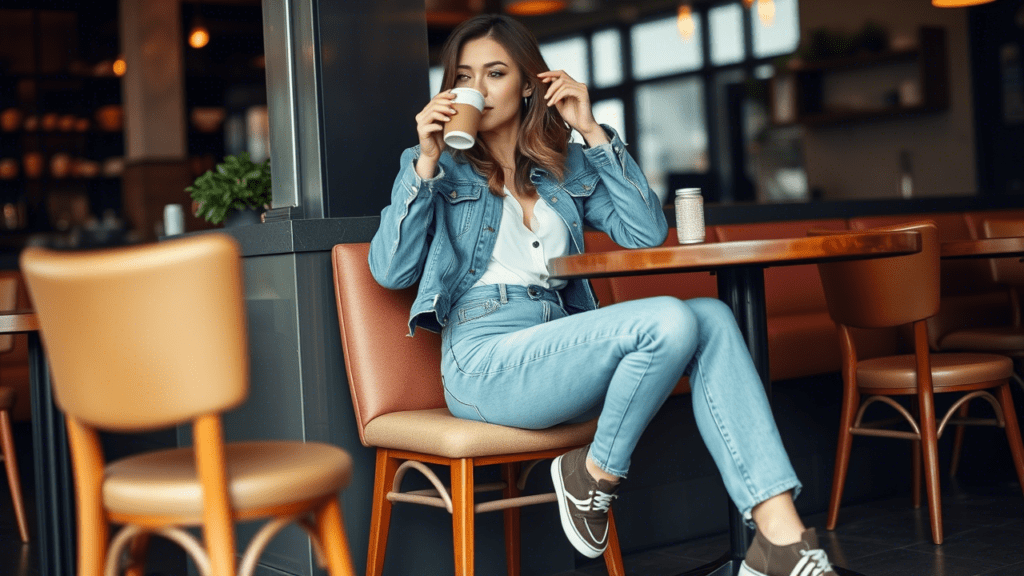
802	338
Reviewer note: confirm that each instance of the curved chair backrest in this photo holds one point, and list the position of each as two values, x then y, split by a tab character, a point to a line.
8	301
882	292
1005	270
387	370
143	337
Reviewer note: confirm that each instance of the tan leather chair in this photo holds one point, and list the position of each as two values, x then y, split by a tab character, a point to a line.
400	410
8	301
154	336
897	291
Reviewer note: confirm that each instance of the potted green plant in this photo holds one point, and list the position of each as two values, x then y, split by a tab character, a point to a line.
235	192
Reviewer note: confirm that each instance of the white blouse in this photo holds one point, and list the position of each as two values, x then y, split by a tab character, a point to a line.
521	254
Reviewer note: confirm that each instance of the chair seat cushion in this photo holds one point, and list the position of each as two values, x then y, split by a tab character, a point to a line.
948	370
6	398
1003	339
261	474
439	433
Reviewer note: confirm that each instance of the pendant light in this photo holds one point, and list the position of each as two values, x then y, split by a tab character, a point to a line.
198	35
766	11
958	3
684	22
533	7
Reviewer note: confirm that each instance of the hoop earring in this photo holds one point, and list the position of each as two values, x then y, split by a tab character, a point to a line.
526	100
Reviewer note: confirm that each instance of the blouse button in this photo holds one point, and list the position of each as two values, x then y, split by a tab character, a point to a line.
536	244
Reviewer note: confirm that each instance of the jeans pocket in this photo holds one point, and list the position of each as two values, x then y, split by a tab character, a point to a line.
461	409
477	309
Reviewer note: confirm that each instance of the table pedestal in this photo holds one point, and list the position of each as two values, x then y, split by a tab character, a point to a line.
54	485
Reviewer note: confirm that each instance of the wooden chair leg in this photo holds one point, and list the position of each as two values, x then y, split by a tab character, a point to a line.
87	465
11	463
331	528
380	518
513	536
1012	431
930	456
137	553
613	554
851	401
958	442
463	515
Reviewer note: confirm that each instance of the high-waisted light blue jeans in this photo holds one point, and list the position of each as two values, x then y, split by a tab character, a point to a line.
512	356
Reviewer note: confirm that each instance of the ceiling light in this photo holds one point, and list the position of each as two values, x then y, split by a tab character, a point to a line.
766	11
958	3
534	7
684	21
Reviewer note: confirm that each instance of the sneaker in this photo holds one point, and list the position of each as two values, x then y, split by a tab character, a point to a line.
583	502
804	558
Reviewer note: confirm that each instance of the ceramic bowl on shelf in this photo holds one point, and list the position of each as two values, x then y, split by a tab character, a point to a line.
31	123
81	124
110	117
60	165
86	168
49	121
112	167
8	168
67	122
10	119
33	163
207	118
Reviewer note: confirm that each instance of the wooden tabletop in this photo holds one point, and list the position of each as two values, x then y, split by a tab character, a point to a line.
18	321
983	248
713	255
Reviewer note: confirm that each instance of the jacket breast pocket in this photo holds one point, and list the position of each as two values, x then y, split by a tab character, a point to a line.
460	209
583	186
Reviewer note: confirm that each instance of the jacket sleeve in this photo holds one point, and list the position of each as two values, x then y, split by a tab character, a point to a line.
623	204
399	248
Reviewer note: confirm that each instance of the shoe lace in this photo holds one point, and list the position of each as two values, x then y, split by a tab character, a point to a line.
601	501
813	563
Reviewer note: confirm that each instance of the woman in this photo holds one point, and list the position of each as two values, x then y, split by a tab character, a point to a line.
476	228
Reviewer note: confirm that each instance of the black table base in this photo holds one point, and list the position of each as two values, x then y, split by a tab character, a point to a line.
54	485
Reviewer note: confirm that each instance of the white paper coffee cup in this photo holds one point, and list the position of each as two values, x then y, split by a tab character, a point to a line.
460	133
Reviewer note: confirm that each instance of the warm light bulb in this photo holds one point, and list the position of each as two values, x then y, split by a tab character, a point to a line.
120	67
957	3
748	3
766	11
685	22
199	37
534	7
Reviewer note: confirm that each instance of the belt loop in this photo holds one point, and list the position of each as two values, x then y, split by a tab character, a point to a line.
503	293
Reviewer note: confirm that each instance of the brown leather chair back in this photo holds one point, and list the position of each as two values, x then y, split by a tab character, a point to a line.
109	317
881	292
387	370
1005	270
8	301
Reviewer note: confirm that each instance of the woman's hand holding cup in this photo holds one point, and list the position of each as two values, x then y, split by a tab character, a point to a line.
429	126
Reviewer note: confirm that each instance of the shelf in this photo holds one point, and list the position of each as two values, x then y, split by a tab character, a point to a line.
838	117
858	61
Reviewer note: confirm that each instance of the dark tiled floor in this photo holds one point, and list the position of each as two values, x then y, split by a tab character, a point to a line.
983	526
984	536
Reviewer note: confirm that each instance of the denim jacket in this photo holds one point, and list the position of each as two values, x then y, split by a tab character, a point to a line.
440	232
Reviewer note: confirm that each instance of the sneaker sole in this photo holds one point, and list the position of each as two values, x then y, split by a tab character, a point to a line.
748	571
563	512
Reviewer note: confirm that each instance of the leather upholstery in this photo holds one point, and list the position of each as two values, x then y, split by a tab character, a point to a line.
948	370
380	387
261	475
1002	339
438	432
884	292
128	382
6	398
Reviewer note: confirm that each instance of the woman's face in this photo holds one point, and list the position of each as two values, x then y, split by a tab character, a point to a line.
486	66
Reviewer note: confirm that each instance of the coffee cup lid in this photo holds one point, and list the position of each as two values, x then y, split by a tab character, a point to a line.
469	96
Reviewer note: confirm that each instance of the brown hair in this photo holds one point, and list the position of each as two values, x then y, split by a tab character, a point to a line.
543	139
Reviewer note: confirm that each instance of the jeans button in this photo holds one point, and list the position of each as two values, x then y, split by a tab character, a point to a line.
531	291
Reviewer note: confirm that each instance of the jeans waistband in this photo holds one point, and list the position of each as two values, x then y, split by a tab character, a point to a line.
506	292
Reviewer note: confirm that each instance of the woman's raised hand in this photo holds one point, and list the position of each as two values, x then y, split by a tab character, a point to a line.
572	100
429	126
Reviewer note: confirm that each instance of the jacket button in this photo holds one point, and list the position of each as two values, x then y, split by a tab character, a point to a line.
586	186
554	200
574	225
489	229
472	270
454	194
